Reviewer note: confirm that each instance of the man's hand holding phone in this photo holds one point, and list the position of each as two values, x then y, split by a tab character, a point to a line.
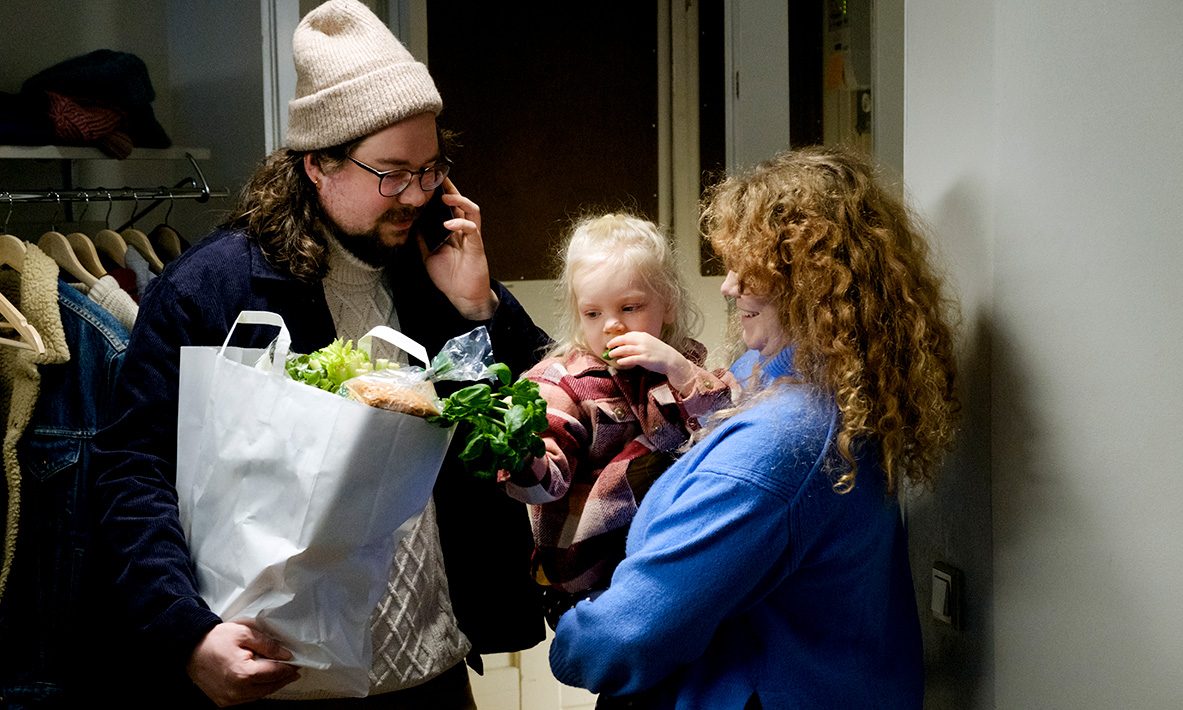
457	265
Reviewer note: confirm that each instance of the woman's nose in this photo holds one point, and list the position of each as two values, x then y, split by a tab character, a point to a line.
730	285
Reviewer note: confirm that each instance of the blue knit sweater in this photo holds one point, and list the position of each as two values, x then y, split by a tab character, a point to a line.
747	574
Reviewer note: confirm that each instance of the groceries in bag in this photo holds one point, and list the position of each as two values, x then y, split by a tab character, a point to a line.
501	426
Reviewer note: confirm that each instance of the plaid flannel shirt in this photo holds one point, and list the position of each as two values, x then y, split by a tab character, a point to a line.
612	433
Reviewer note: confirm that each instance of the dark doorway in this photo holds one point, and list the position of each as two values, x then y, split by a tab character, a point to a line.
556	113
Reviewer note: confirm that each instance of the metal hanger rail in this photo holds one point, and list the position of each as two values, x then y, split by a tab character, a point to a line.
188	189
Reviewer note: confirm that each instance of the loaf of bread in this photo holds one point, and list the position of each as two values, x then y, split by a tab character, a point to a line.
395	396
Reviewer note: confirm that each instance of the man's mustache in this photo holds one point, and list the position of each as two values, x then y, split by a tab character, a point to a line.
401	214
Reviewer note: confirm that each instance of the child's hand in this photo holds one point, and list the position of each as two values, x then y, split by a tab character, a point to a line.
639	349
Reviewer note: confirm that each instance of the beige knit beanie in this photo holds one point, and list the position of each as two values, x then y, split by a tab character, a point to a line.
353	77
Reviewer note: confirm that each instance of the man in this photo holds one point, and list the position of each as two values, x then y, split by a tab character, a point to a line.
325	236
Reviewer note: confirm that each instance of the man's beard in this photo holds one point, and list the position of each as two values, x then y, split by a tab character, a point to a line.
369	246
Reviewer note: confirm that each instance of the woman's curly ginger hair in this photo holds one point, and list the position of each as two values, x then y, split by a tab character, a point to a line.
849	274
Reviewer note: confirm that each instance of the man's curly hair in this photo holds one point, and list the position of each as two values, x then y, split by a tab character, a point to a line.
279	208
848	271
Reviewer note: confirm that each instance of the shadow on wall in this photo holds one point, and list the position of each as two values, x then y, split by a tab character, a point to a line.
954	523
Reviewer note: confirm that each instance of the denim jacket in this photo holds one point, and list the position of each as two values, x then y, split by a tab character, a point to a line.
43	611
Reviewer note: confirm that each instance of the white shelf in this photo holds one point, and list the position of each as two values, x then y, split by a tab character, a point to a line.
66	152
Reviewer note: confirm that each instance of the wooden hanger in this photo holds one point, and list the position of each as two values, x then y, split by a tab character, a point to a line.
12	249
164	238
57	246
12	253
167	242
86	253
110	244
139	241
83	248
12	318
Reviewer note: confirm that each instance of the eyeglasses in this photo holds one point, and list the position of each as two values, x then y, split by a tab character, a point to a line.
392	182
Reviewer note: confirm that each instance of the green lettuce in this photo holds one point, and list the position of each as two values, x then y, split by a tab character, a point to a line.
330	366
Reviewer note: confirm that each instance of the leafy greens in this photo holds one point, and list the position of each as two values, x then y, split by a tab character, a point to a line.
503	424
330	366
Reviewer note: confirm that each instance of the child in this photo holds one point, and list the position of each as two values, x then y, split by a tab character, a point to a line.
624	387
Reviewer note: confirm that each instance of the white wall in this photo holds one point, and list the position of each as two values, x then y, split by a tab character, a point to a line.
216	84
1042	139
948	168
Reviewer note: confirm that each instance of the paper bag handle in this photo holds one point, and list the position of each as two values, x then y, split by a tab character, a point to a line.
397	339
283	341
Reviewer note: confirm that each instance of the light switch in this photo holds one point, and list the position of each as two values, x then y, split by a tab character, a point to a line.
946	594
940	597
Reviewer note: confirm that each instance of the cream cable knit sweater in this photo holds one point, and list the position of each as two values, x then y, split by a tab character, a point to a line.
415	633
357	294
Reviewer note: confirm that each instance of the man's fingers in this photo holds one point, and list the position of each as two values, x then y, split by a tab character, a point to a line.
263	672
264	645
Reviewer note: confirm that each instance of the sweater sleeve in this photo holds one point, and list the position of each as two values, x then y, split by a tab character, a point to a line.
108	295
729	535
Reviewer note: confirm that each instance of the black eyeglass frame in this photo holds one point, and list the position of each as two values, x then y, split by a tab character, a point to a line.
442	164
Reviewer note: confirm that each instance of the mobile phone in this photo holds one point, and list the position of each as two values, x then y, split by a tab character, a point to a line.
431	221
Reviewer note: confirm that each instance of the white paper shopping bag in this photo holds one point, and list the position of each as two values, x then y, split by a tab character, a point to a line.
292	499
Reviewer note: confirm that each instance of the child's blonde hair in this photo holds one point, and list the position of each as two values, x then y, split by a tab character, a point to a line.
627	242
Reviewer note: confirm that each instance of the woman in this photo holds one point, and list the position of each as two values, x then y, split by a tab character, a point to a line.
768	567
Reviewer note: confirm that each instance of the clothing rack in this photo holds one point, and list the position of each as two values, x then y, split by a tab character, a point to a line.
188	189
